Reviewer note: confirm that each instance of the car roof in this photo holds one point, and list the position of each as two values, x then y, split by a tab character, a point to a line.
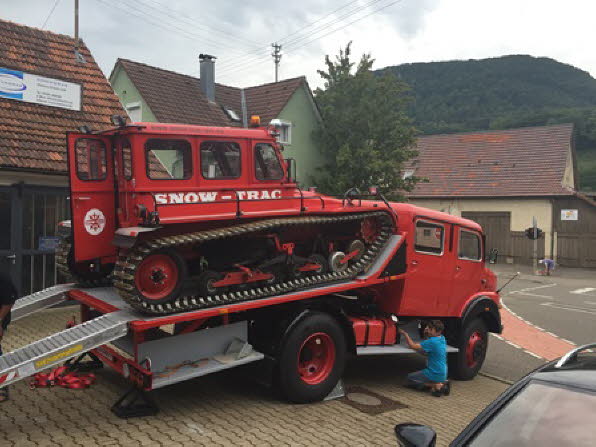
580	373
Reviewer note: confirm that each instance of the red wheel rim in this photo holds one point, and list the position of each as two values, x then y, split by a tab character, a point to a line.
474	349
316	358
157	276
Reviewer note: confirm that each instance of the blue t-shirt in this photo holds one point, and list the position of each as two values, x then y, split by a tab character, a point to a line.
436	364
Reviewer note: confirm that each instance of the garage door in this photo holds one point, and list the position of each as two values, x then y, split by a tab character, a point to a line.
496	226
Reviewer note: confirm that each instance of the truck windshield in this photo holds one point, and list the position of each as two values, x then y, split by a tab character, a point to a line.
544	415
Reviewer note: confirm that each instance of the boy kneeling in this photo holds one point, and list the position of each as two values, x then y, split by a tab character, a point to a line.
434	376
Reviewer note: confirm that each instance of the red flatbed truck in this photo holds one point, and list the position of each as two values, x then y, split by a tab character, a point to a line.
216	259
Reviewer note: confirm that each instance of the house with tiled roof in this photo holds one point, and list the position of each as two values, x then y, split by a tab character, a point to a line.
153	94
504	179
48	85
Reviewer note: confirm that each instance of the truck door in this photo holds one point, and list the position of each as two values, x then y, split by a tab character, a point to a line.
468	267
92	197
427	285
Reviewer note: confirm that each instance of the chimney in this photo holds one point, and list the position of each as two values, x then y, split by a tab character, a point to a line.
208	75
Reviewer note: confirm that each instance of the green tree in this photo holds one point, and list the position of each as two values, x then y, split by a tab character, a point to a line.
366	135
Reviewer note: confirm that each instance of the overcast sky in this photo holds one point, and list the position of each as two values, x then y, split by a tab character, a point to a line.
171	33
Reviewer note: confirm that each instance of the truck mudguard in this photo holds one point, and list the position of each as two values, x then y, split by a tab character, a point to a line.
483	305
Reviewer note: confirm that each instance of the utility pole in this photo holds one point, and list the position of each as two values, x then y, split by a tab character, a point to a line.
76	25
276	57
535	248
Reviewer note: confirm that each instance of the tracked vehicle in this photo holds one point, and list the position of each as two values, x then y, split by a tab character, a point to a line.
183	217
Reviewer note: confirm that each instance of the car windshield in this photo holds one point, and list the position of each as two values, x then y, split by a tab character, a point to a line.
543	415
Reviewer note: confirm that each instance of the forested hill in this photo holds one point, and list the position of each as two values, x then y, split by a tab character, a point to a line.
505	92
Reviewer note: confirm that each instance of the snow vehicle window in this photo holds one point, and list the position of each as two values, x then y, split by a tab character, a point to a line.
267	166
220	160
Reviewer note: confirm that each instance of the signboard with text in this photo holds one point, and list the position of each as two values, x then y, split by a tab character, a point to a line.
28	87
568	214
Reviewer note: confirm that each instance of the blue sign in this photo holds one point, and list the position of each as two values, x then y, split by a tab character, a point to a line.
48	243
12	84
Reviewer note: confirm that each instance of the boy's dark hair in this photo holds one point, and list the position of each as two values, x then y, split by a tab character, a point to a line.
437	325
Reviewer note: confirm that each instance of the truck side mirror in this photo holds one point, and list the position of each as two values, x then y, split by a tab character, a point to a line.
291	169
415	435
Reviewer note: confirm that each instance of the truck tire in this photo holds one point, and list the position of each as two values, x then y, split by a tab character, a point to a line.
312	359
472	344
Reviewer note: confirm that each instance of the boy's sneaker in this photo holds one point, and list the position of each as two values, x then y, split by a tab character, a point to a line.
446	390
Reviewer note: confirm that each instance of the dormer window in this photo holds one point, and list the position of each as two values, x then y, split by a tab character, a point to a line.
232	115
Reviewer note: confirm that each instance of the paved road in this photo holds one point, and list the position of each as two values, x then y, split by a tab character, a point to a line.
564	305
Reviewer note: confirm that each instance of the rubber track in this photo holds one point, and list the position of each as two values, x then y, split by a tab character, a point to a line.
62	266
124	271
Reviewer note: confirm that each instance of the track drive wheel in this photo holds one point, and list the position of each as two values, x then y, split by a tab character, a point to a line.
160	276
312	359
472	344
322	261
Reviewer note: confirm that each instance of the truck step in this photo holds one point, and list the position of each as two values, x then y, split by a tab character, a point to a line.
40	300
64	345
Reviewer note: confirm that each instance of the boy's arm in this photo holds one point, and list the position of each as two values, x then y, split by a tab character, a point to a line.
412	345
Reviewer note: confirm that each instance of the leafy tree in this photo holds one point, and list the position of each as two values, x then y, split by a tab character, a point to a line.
366	135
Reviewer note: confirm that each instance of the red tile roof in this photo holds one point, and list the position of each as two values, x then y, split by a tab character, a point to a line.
32	136
529	161
177	98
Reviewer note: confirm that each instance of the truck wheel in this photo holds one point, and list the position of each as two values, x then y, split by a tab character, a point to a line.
160	276
312	359
472	345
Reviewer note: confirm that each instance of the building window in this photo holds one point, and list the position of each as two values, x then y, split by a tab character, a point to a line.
469	246
231	114
285	132
135	111
267	166
168	159
429	237
220	160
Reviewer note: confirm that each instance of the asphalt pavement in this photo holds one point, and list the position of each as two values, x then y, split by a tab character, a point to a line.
563	304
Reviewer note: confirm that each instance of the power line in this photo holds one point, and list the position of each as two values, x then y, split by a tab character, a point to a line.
194	22
335	29
243	60
247	57
234	69
50	14
165	25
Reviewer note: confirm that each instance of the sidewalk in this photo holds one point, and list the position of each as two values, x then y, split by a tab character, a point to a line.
230	409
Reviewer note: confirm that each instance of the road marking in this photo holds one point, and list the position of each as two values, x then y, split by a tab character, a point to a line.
530	338
570	308
528	291
584	290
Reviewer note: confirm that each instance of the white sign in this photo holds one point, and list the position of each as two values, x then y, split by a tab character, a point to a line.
94	221
568	214
40	90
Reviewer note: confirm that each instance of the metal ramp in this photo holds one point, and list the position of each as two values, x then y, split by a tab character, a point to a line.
40	300
64	345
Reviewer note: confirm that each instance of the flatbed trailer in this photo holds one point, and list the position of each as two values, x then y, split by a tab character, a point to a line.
155	351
